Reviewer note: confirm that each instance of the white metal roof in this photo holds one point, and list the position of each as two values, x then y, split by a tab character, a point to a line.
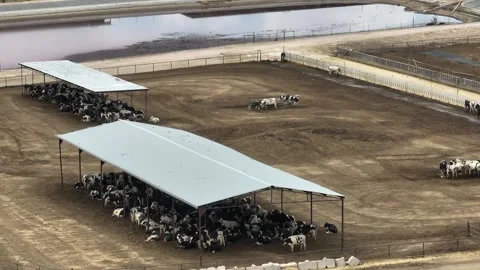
82	76
191	168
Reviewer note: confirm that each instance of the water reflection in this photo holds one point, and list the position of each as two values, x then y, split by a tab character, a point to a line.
57	42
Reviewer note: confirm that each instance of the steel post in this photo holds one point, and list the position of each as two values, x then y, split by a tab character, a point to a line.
311	208
80	170
146	102
60	157
101	181
281	199
343	210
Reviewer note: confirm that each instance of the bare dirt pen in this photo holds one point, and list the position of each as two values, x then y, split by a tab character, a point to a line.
465	52
378	147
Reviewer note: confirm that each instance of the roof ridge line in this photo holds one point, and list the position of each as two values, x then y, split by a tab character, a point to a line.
190	150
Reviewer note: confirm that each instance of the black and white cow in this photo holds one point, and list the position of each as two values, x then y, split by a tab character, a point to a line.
291	99
296	240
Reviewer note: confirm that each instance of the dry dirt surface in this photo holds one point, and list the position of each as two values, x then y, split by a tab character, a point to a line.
378	147
466	64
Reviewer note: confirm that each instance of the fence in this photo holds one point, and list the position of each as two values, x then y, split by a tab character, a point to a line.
384	47
394	83
33	78
425	73
406	250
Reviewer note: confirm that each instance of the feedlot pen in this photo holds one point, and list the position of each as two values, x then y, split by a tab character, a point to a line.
379	147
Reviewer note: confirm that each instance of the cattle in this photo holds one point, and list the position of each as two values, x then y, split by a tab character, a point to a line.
291	99
186	242
153	237
153	120
443	168
296	240
257	105
330	228
467	105
335	70
264	103
91	107
230	221
118	212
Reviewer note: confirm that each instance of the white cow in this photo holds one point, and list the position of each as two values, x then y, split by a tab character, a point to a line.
268	102
153	119
471	167
86	118
334	70
118	212
229	224
296	240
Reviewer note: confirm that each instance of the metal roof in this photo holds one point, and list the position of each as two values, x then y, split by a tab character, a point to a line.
82	76
191	168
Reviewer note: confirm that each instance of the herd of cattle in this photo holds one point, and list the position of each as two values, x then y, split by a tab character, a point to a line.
262	104
92	107
454	167
168	219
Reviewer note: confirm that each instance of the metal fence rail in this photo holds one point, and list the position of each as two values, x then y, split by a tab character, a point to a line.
377	47
425	73
405	250
37	78
394	83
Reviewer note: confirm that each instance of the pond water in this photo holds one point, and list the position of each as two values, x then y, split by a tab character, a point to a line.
57	42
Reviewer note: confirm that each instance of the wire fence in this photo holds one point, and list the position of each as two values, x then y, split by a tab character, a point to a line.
378	47
391	82
38	78
417	71
391	251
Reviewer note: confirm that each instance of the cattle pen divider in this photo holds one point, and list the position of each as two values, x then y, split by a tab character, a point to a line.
427	90
35	78
364	253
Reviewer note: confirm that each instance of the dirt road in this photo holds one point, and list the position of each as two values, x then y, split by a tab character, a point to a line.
47	12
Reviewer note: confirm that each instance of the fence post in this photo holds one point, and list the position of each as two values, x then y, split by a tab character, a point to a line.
458	245
188	62
171	65
389	252
468	228
423	249
117	71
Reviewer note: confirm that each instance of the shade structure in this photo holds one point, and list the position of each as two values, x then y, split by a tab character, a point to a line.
82	76
193	169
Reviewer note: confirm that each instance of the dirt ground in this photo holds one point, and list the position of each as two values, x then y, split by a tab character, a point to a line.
378	147
447	65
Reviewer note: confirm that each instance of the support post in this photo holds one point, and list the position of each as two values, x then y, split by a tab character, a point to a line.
44	81
311	207
80	170
281	199
23	85
117	95
101	181
200	235
343	240
271	195
146	102
124	197
254	198
60	157
148	210
32	76
131	98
